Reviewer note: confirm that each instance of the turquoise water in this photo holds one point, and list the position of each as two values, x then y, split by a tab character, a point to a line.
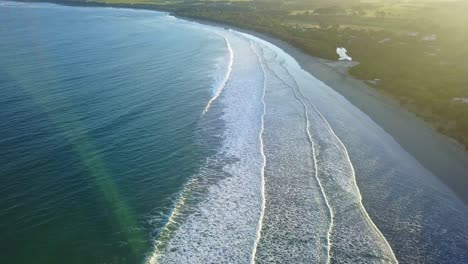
100	128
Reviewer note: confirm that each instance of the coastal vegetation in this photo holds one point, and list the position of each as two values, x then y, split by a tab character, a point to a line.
412	50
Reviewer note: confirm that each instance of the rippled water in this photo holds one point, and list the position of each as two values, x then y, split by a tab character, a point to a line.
100	112
131	136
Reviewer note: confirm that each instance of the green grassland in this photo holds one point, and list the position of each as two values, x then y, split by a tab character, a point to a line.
413	50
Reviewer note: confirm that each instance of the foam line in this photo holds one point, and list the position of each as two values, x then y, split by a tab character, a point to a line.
330	210
341	145
262	213
165	233
353	173
322	190
225	79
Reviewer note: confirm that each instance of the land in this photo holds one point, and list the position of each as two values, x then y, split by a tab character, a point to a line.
413	53
411	50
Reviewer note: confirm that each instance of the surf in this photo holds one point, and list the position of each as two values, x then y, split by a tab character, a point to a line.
231	183
312	145
225	79
353	174
262	129
172	221
339	147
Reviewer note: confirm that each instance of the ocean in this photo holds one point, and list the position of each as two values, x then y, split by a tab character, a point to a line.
132	136
101	128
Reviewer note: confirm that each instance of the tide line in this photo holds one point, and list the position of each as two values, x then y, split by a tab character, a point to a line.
353	173
225	79
262	213
322	190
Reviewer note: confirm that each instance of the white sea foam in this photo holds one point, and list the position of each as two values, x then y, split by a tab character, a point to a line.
293	206
346	154
223	225
312	146
10	4
349	185
222	84
322	190
262	213
228	223
353	188
353	175
172	221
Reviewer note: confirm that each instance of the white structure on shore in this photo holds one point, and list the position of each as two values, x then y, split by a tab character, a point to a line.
342	53
430	37
461	100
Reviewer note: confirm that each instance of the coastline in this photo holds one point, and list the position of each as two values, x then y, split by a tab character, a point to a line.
438	153
418	216
443	156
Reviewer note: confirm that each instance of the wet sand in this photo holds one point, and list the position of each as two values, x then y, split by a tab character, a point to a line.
404	168
438	153
441	155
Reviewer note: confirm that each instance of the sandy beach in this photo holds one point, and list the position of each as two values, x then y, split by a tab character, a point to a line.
312	166
443	156
438	153
422	182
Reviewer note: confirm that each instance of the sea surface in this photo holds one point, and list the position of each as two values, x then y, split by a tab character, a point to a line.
131	136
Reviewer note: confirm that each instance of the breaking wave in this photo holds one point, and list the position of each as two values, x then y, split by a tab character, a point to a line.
222	84
262	213
374	242
237	206
227	191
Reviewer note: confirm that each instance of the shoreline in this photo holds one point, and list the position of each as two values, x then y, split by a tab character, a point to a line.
443	156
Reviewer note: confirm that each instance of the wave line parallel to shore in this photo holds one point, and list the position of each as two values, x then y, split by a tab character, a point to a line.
322	190
330	210
353	173
165	232
225	79
262	212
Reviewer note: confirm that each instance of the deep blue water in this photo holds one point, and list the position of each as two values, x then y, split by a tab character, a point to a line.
100	128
